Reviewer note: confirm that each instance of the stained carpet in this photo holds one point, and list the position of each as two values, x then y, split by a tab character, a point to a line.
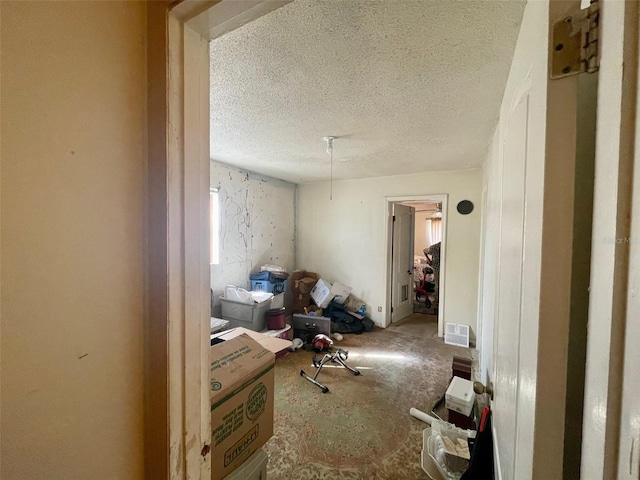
362	428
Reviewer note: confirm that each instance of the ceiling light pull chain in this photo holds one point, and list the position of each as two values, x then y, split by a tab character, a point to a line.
329	141
331	188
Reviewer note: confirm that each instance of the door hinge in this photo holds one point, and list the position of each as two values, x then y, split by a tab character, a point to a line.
394	218
391	309
574	46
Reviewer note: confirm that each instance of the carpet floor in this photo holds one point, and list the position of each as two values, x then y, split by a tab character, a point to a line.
361	429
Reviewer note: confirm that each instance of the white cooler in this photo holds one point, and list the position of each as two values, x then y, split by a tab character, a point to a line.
460	396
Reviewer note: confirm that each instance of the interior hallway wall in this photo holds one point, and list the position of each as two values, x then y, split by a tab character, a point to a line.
257	225
73	214
344	239
420	241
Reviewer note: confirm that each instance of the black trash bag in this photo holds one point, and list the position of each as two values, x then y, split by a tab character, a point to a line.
341	320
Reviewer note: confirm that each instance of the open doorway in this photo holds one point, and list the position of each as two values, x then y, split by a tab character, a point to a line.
426	257
416	257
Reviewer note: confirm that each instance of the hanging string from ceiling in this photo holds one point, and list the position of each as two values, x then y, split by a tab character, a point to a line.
329	141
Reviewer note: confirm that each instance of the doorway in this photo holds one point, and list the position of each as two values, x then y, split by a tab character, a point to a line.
416	257
426	257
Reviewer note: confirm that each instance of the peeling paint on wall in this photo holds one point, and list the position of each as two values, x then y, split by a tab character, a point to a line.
257	225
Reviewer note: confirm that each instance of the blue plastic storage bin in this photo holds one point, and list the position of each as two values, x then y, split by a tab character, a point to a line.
266	286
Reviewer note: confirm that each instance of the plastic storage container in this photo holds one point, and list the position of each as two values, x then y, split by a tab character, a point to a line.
247	315
278	301
267	286
254	468
276	318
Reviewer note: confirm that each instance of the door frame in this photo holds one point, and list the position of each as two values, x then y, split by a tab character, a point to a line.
611	435
390	201
177	426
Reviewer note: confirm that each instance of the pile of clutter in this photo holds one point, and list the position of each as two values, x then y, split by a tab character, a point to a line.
261	308
316	297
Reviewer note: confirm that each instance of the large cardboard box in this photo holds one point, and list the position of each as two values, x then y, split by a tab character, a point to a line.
241	399
306	284
323	292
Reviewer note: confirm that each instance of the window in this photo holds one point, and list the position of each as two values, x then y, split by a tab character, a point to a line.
214	227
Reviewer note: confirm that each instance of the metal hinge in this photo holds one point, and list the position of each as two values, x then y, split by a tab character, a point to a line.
394	218
574	47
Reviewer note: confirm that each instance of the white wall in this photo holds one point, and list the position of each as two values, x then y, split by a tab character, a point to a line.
73	213
420	239
257	225
344	239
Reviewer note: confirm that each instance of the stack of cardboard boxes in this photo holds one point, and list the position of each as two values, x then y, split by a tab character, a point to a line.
241	378
302	282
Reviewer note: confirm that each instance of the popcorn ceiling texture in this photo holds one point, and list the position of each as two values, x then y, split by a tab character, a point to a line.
407	86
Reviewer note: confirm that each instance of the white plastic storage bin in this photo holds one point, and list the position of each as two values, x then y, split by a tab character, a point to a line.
278	301
255	468
247	315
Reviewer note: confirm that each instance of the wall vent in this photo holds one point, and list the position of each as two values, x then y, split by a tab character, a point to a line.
457	335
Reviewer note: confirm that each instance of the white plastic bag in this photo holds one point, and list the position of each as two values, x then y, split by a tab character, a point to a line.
259	296
272	268
233	292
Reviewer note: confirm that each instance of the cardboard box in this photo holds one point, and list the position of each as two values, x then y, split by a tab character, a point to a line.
306	284
302	298
271	343
300	301
341	292
241	399
298	275
323	292
460	396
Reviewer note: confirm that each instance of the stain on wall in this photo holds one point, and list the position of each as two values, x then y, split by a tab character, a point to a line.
257	225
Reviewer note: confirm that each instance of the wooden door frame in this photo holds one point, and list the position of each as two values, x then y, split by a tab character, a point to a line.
176	401
611	435
390	201
176	327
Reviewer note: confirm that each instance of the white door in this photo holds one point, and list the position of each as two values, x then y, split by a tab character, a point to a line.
532	182
402	262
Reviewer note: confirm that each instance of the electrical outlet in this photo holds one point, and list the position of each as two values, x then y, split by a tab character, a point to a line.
380	309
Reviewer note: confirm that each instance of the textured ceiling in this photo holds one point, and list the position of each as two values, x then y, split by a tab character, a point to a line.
406	86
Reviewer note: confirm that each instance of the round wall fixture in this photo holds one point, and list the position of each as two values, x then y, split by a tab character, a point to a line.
465	207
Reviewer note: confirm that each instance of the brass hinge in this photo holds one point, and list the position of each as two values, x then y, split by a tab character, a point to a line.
574	46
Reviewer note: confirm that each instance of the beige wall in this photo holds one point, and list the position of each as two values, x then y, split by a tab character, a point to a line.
420	240
73	162
344	239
